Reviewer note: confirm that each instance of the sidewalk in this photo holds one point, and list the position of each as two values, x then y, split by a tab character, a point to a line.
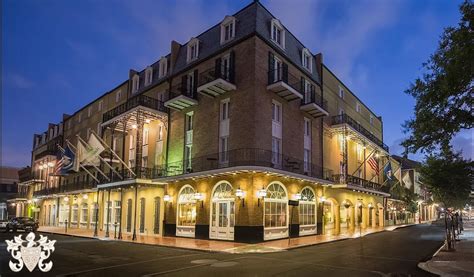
222	246
457	263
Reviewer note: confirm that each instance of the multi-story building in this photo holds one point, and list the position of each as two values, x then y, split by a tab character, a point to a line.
214	139
10	203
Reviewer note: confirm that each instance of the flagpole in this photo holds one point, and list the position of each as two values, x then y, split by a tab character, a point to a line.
81	166
88	172
96	168
102	159
113	152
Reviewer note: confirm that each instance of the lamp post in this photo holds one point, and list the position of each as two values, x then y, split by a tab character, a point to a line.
359	205
322	199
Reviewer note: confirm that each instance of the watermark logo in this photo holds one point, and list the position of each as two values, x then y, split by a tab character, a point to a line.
30	252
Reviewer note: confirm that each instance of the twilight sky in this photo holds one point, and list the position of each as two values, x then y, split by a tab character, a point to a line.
59	55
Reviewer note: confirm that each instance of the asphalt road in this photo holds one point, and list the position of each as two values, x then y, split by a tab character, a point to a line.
394	253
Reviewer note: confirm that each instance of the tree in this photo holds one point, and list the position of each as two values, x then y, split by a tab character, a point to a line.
444	102
449	178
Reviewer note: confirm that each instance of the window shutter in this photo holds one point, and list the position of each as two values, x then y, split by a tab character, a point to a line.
313	95
302	87
184	86
271	67
285	73
196	75
217	68
232	67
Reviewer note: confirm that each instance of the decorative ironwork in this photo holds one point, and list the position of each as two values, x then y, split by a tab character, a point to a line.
136	101
362	183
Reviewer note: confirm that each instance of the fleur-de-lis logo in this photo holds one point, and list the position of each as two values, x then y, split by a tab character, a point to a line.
30	252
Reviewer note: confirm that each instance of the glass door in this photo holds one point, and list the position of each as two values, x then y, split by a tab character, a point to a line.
223	220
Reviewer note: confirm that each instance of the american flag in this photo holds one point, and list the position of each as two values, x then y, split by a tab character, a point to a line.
373	163
59	164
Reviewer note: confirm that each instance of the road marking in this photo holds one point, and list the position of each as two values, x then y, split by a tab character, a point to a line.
385	258
189	267
128	264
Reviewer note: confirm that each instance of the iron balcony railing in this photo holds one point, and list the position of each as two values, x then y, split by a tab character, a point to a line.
359	182
344	118
225	73
281	74
180	89
139	100
314	97
243	157
49	148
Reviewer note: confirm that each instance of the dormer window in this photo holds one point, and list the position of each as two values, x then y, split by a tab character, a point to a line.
148	75
193	50
118	96
371	120
278	33
341	92
358	107
135	83
227	29
162	67
101	104
307	59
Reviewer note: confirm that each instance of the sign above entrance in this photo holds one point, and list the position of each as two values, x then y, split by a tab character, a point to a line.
293	203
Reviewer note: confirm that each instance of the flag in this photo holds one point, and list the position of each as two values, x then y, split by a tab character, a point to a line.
96	145
85	155
373	163
407	180
66	163
388	171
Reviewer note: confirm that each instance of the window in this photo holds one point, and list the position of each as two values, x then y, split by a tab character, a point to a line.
278	33
276	151
79	117
276	209
223	149
307	160
84	213
193	50
360	152
117	211
118	96
307	127
307	59
146	132
99	129
225	109
161	96
89	112
148	75
358	107
308	91
163	67
189	121
190	83
129	215
227	29
276	112
160	133
341	92
307	207
371	120
156	226
75	213
142	215
186	207
187	156
94	212
341	111
131	152
135	83
100	106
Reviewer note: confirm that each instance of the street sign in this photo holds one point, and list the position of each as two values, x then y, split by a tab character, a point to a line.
293	202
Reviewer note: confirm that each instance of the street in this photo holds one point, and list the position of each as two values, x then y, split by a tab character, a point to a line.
394	253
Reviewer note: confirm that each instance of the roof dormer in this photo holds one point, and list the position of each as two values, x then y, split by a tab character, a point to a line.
192	50
277	33
227	29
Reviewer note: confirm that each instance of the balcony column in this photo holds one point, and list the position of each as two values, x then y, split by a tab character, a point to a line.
139	145
108	215
345	158
353	218
121	213
113	147
337	219
96	215
124	136
134	235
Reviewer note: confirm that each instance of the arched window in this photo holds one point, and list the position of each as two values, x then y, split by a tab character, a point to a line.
75	213
307	212
142	215
186	207
222	212
276	211
222	191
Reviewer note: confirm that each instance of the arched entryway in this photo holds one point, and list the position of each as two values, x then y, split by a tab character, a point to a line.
331	217
275	215
379	216
186	212
347	216
307	212
222	212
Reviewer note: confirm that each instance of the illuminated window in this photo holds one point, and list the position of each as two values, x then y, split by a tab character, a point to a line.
84	213
186	207
307	208
276	209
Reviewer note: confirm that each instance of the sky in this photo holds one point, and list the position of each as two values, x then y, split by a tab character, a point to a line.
57	55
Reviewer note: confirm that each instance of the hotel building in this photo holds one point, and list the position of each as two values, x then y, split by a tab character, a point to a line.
216	137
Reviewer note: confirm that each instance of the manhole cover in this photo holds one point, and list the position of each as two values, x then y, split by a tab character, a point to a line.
204	261
224	264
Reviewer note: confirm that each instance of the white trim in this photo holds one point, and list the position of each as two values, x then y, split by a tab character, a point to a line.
148	75
162	67
226	22
135	83
276	23
192	42
305	52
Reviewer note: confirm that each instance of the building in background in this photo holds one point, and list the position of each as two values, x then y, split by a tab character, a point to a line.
212	140
8	193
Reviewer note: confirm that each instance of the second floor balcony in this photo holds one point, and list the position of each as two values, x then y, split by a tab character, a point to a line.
182	96
314	104
50	148
345	119
356	183
141	103
217	80
284	84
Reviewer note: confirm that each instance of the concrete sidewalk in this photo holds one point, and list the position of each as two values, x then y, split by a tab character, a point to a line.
454	263
223	246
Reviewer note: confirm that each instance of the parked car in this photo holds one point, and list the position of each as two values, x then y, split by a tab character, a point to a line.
22	223
3	224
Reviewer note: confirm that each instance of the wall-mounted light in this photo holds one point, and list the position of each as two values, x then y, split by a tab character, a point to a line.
322	199
29	201
85	196
199	197
35	200
370	206
167	198
377	155
66	199
260	195
147	120
240	194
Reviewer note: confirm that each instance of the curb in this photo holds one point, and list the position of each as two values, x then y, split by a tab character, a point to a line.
423	265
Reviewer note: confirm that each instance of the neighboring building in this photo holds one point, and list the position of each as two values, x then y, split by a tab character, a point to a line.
216	136
8	192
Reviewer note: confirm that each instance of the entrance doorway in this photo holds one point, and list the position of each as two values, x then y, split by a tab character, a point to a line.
223	212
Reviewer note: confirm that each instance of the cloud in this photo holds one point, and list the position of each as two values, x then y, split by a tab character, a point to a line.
464	142
19	81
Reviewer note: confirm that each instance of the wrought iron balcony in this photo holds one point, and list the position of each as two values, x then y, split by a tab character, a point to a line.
216	81
284	84
314	104
181	97
134	102
359	182
49	148
345	119
243	157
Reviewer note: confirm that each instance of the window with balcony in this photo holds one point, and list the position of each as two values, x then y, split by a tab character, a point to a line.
135	83
227	29
162	67
360	152
277	33
192	50
224	131
190	83
307	145
131	152
307	59
148	76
